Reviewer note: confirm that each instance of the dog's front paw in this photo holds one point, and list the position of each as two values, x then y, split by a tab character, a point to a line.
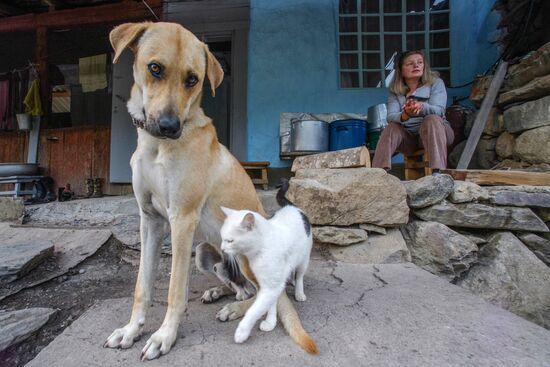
230	312
159	343
241	334
123	337
267	326
212	295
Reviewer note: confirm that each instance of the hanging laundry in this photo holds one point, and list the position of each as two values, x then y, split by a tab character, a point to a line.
92	73
32	99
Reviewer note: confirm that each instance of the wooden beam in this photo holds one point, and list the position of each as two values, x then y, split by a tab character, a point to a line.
481	118
42	60
345	158
8	10
109	13
497	178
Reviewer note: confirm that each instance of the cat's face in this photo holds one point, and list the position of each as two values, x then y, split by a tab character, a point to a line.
237	231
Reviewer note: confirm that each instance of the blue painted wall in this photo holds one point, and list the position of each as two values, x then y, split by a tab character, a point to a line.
293	64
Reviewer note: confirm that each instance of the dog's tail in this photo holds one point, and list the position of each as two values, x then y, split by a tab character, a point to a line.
290	320
281	199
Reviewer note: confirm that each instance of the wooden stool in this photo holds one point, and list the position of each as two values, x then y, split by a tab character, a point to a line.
257	166
416	165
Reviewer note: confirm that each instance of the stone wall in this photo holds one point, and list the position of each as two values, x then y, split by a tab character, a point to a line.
517	131
494	241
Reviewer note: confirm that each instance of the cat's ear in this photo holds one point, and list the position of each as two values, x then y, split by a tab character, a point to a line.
248	222
226	211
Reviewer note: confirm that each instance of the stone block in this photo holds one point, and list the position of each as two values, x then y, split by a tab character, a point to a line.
528	115
473	215
346	196
533	145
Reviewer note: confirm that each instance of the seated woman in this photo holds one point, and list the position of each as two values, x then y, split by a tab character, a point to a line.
416	108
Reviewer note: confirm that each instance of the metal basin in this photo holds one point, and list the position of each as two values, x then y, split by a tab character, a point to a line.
309	136
18	169
377	118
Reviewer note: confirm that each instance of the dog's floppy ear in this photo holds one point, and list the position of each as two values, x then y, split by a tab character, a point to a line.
125	35
214	70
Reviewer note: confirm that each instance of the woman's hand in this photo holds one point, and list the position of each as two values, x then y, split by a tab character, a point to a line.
412	107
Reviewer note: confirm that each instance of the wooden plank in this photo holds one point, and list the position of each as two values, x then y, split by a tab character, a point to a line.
498	177
345	158
13	147
481	118
118	12
42	59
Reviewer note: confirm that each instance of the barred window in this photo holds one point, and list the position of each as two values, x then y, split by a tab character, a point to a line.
372	33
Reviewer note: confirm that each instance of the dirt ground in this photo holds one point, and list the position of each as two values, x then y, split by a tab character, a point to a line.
110	273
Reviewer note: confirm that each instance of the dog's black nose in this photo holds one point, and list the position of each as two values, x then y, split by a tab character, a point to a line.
169	125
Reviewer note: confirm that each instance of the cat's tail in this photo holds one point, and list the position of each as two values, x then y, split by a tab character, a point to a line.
281	199
290	320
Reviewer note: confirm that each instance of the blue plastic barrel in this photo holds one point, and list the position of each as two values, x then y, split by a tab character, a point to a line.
345	134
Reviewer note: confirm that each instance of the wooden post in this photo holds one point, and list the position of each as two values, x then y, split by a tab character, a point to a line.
42	60
481	118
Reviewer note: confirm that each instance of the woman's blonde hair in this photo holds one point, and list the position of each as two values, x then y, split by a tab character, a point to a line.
398	86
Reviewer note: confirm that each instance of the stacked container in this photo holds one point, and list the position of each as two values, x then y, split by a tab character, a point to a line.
347	134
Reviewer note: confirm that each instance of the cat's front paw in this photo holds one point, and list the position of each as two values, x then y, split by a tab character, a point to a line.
267	326
241	335
301	297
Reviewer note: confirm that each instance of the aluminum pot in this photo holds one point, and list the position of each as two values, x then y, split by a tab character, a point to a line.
377	117
309	136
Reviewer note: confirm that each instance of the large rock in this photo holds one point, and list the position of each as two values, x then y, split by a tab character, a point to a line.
378	249
534	64
511	276
465	192
338	235
479	88
11	209
473	215
17	259
520	198
505	145
494	125
536	88
532	146
16	326
540	246
528	115
348	196
438	249
428	190
484	156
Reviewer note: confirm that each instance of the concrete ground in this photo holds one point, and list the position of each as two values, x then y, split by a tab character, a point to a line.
359	315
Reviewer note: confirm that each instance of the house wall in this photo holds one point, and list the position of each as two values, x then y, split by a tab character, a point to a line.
293	64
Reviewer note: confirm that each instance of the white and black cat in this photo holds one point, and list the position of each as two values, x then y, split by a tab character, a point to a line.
276	248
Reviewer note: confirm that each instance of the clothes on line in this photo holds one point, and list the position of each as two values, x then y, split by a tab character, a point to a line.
14	86
32	102
92	72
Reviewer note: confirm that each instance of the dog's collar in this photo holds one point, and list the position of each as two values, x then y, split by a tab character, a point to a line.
138	123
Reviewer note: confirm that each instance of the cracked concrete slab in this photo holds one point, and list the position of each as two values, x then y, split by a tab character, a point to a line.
359	314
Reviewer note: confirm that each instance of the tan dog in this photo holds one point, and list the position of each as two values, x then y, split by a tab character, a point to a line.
180	174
